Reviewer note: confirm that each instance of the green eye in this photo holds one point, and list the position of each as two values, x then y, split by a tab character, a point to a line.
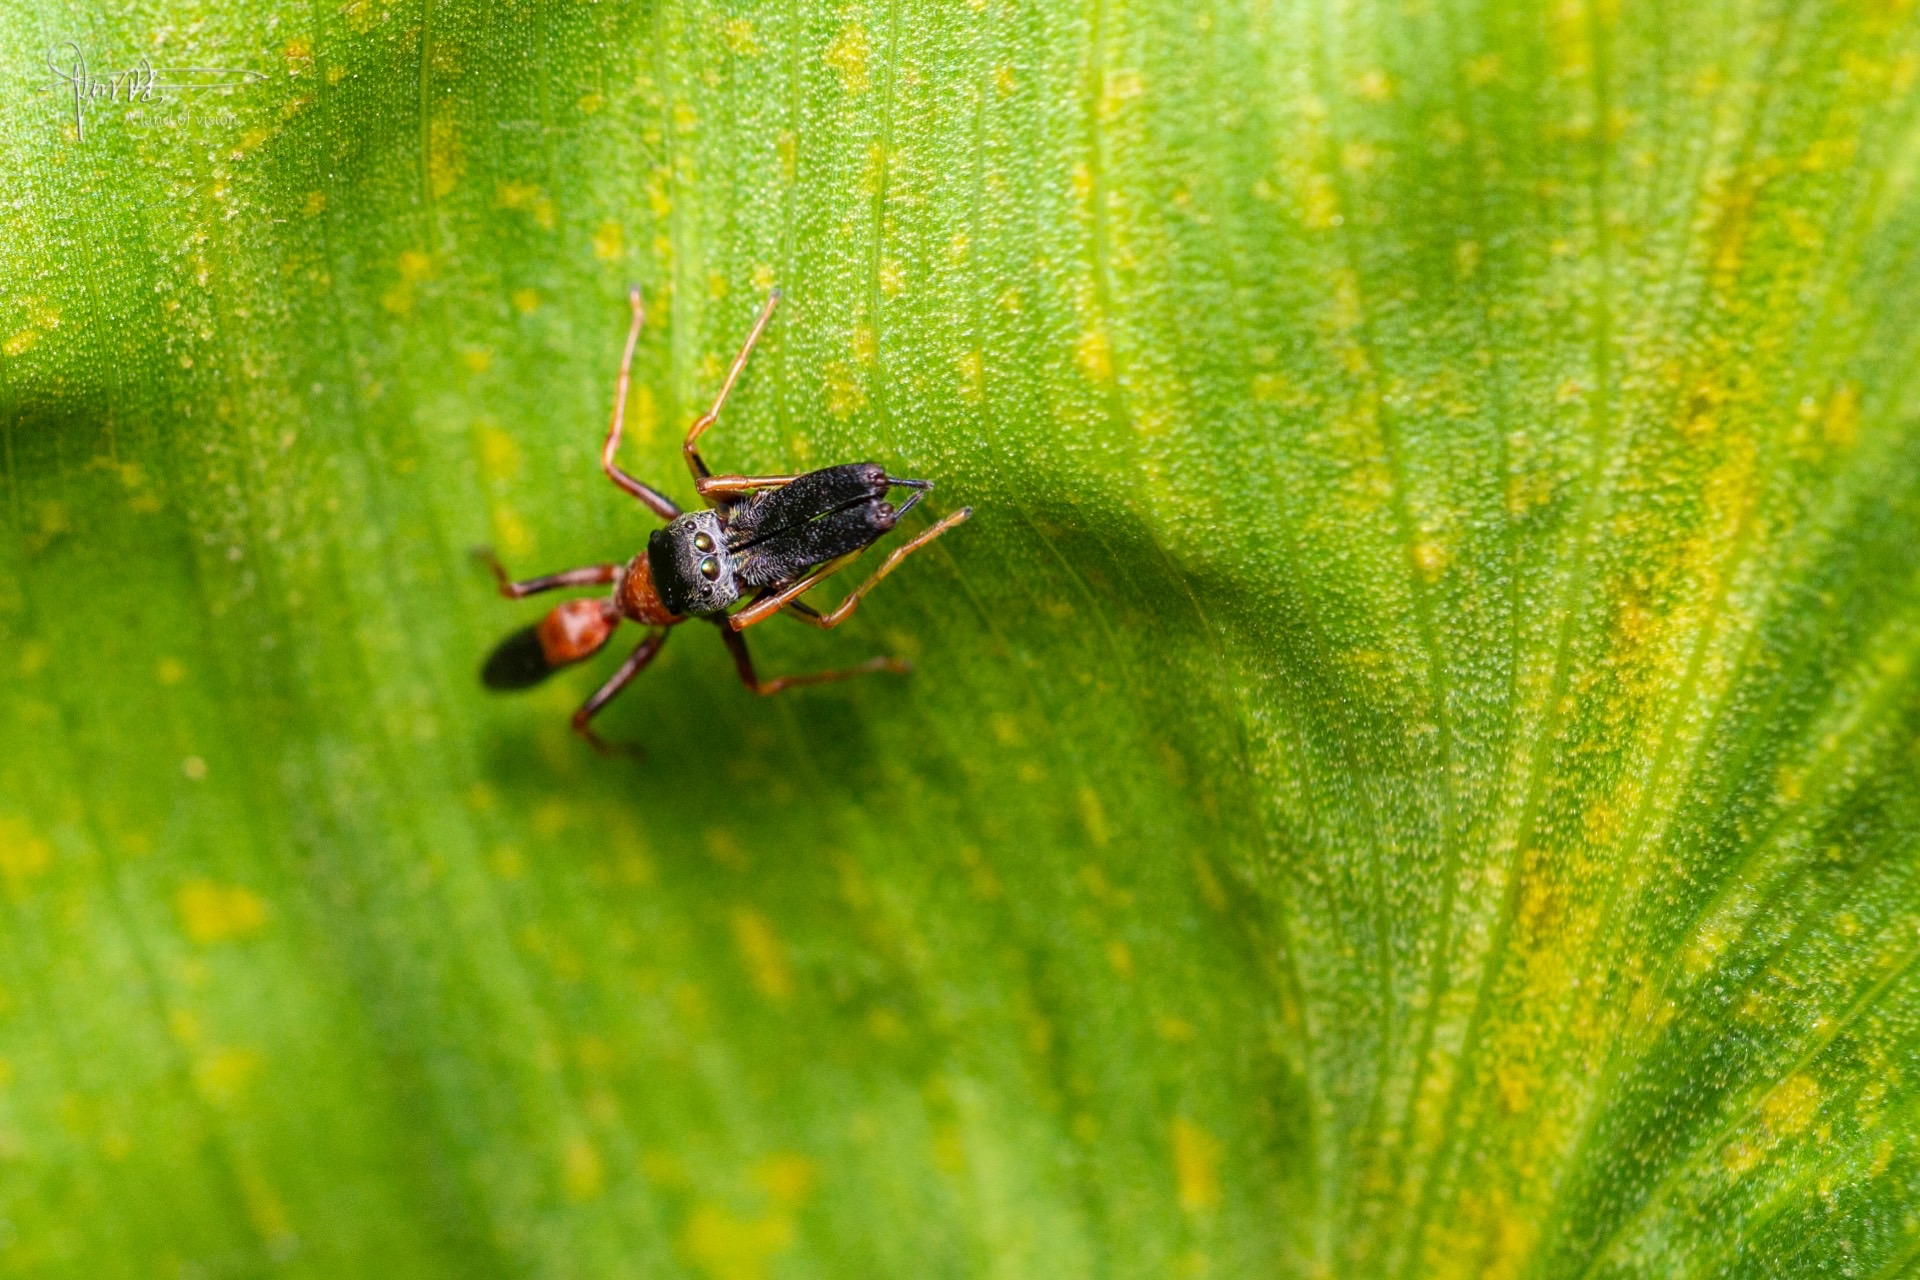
702	542
709	568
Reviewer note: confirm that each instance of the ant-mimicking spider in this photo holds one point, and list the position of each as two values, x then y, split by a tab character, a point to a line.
776	536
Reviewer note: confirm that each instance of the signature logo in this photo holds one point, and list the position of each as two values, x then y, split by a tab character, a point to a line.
86	89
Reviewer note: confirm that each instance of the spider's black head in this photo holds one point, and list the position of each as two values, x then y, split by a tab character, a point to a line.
692	570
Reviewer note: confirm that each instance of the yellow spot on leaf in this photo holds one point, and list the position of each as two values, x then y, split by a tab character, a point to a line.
315	205
848	55
1120	957
23	855
972	370
224	1074
845	396
265	1209
446	160
1122	87
169	671
740	38
478	360
526	301
511	532
583	1173
525	197
1319	202
724	848
499	454
1196	1166
212	912
726	1247
1790	1108
1841	426
21	342
1516	1082
643	414
760	951
788	1178
609	242
1093	816
949	1148
1373	86
1093	356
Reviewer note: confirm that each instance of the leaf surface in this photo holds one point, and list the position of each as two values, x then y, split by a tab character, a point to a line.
1409	772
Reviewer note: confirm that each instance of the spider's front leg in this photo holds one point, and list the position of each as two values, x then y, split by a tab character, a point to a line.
658	502
768	605
743	663
701	475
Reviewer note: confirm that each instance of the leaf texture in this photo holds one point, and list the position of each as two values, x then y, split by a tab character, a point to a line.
1410	771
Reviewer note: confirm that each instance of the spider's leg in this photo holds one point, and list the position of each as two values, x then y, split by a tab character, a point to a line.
660	503
705	420
589	576
732	488
743	662
635	663
772	604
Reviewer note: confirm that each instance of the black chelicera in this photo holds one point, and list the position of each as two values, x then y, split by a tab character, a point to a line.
775	537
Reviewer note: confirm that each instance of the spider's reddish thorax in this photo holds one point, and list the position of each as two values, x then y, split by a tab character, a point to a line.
638	599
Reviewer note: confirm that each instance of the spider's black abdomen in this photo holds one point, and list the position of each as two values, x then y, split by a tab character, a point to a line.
785	555
518	662
808	497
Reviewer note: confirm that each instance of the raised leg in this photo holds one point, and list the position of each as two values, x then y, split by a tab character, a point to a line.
591	575
767	606
705	420
736	486
636	662
661	504
743	662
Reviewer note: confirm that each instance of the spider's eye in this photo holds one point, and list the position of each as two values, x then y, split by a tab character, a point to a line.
709	568
702	542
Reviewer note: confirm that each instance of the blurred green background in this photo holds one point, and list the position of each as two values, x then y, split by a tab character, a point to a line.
1410	771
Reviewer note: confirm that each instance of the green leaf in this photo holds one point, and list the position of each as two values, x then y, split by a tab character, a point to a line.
1412	770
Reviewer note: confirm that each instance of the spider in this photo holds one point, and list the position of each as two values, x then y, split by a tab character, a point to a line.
773	536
